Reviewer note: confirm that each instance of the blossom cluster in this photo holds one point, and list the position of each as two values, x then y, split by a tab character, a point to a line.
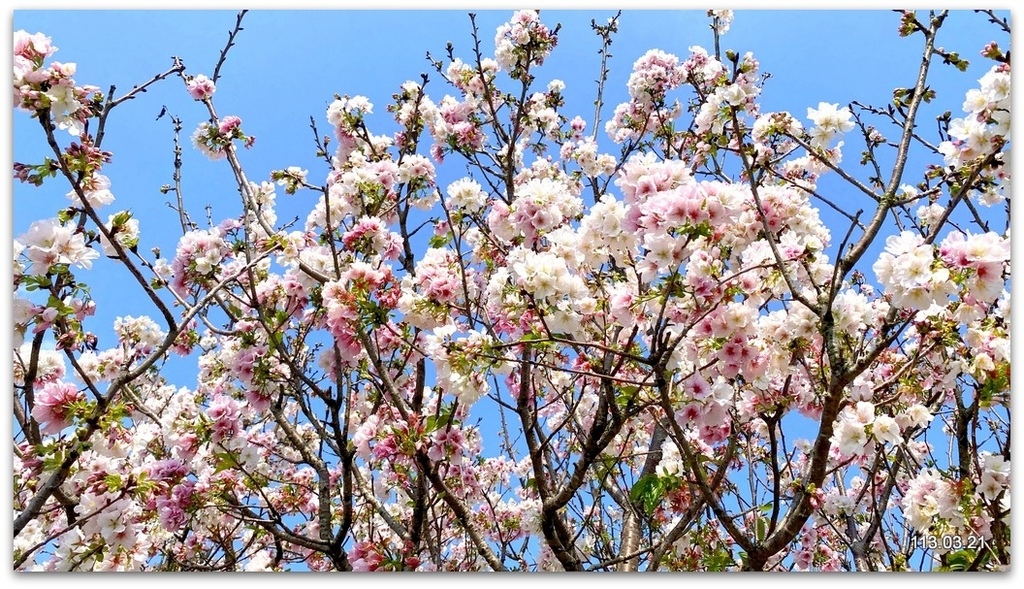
559	358
51	88
522	43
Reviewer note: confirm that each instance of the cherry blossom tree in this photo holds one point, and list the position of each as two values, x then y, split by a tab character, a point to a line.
625	343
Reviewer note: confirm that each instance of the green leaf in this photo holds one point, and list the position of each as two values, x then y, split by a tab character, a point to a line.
959	561
719	561
648	491
224	461
120	219
55	303
113	482
627	394
442	419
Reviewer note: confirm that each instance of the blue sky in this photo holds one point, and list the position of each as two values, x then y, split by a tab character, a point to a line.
287	65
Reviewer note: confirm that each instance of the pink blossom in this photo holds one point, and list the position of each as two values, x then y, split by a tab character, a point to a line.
228	124
53	405
32	46
200	87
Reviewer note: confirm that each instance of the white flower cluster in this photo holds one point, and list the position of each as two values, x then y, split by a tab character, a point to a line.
50	242
544	275
139	333
126	233
907	270
522	41
829	120
987	123
858	423
344	107
722	20
467	195
931	500
995	477
602	234
455	373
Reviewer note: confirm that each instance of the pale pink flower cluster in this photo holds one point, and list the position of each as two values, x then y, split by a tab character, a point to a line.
930	214
672	216
933	505
801	236
198	258
456	126
225	414
343	110
438	286
522	42
31	48
358	187
213	139
418	173
54	405
115	524
603	235
644	176
138	334
995	476
771	132
341	305
201	87
370	237
411	108
50	242
541	205
670	259
467	195
353	191
44	316
50	366
206	138
96	187
704	408
854	313
990	348
982	259
126	233
53	88
347	115
730	98
544	275
987	124
291	178
454	361
541	113
859	428
468	79
654	74
584	152
722	20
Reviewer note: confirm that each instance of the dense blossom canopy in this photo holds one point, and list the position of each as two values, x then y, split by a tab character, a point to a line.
652	341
